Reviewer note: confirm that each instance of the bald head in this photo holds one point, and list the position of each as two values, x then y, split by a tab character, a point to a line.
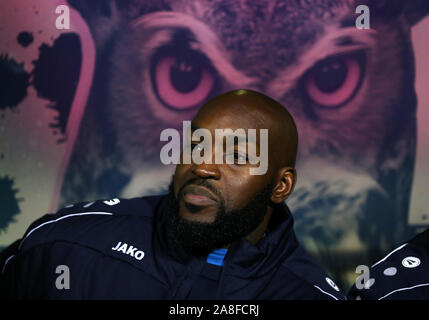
250	109
236	197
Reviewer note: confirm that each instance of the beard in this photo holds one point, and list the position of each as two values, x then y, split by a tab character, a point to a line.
200	238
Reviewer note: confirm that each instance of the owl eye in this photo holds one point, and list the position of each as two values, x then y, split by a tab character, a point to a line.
334	81
182	79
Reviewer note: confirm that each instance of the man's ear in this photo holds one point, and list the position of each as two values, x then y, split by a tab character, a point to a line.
284	184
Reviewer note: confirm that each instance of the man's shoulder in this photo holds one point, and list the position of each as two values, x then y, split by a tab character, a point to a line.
401	274
308	274
86	222
141	206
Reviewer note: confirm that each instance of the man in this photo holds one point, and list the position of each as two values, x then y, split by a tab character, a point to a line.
220	233
401	275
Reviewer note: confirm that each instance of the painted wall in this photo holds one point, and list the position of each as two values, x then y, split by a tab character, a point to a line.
81	110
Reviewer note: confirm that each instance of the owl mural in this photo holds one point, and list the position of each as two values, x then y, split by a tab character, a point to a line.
350	91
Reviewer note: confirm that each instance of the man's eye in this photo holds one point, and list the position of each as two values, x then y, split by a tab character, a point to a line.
199	146
240	158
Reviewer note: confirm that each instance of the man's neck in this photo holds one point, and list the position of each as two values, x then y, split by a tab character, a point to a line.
257	234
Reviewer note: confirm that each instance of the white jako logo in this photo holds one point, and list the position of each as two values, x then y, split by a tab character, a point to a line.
411	262
332	284
130	250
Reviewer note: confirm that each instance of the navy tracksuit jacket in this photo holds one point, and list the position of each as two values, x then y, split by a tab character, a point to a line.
124	249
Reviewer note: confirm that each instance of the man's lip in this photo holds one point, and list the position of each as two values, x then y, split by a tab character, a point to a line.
198	194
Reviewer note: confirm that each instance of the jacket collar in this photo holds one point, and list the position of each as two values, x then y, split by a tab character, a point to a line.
243	258
249	261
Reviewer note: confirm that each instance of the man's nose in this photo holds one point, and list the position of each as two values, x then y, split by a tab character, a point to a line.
206	170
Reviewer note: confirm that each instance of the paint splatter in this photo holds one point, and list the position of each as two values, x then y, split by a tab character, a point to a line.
9	207
56	75
25	38
14	81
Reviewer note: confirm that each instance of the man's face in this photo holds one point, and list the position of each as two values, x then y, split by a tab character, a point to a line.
219	203
230	185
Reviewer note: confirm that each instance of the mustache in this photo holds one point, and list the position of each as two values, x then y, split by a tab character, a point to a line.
203	183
